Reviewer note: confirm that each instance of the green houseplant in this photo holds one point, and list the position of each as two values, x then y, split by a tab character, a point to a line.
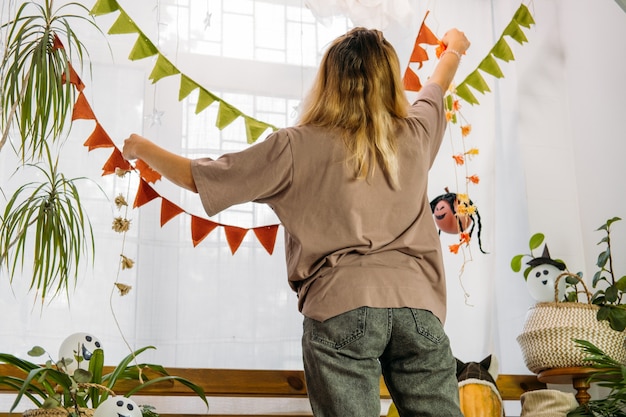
50	386
609	290
554	322
608	373
44	218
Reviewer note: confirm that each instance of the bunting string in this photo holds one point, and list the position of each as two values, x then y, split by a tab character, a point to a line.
145	48
227	113
500	50
200	227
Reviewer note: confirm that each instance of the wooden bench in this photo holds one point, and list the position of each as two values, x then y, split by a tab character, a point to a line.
254	386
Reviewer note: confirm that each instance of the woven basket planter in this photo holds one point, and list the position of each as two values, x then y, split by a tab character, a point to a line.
547	339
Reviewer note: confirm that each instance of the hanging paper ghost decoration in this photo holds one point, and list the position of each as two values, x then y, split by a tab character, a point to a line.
448	220
118	407
76	351
542	277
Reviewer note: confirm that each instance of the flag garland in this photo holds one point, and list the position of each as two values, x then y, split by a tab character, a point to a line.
500	50
227	113
144	48
418	56
200	228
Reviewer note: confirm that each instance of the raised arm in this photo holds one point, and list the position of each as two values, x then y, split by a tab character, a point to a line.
456	44
175	168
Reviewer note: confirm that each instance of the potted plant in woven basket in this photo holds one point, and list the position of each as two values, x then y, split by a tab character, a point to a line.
57	393
547	338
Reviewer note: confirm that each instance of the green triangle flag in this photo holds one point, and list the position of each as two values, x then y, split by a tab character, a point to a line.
502	50
162	68
523	16
463	91
104	7
187	85
254	129
123	25
477	81
513	30
490	66
205	99
143	49
226	114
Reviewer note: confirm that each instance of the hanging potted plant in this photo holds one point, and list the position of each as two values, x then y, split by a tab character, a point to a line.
44	220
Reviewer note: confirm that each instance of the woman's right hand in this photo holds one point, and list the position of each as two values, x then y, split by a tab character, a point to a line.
456	40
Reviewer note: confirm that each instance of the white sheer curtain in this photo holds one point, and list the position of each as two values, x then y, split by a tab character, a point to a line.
550	142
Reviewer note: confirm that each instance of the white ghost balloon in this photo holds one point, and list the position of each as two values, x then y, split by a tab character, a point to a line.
81	345
117	407
541	280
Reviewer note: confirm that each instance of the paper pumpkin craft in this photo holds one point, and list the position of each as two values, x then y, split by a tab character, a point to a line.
478	392
542	277
449	220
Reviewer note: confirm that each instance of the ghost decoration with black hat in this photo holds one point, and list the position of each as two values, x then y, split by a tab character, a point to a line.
542	277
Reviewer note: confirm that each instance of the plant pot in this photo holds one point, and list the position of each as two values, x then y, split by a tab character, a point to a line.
547	339
56	412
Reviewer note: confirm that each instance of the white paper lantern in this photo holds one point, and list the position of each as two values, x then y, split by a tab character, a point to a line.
541	281
117	407
78	347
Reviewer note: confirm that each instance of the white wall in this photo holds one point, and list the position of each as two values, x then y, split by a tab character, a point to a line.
552	145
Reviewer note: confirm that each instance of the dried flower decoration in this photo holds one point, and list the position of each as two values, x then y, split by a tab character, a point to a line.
121	225
120	201
124	289
121	172
127	263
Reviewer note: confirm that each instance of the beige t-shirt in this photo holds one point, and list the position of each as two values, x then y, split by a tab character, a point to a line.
349	243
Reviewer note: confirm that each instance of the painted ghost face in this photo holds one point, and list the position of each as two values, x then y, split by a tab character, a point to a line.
540	282
117	407
81	345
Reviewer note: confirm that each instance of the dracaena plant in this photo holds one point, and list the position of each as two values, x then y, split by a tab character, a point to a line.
36	99
51	210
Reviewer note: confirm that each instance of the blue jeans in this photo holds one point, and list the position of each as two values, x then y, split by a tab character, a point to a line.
345	356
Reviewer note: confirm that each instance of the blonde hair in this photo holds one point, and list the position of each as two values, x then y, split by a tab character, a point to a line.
358	90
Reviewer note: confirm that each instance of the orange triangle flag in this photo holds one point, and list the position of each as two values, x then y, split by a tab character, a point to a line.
82	109
74	78
169	210
411	81
56	43
425	35
116	160
267	236
146	172
145	193
419	55
234	236
99	139
200	228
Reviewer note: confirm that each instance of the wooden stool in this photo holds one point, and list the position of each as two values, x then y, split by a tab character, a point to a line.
577	376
